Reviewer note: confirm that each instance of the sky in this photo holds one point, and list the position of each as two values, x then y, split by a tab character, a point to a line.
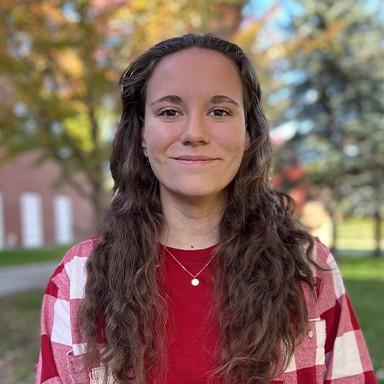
258	7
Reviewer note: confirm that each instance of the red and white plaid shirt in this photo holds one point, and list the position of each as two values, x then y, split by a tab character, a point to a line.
333	350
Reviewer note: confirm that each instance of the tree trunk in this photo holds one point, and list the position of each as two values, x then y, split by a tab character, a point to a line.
334	219
377	232
100	203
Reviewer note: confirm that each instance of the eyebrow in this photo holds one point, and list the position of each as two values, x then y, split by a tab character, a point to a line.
169	98
217	99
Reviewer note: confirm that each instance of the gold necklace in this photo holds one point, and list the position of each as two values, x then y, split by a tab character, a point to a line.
195	281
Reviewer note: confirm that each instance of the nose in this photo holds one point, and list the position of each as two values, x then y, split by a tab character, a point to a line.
195	130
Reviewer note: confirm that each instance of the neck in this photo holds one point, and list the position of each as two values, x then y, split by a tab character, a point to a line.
191	223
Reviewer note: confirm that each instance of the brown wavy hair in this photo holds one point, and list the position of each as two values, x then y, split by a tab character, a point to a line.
264	254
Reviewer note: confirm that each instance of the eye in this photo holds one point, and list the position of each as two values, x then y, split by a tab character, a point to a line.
219	112
168	113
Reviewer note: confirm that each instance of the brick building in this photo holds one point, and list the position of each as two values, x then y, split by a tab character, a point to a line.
33	212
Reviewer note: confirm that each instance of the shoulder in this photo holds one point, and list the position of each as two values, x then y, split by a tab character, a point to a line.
325	265
323	255
68	279
328	268
330	286
80	250
78	254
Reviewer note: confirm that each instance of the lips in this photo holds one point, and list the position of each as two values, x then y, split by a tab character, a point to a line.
194	158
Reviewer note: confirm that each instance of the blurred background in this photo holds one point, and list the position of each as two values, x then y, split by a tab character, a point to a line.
321	67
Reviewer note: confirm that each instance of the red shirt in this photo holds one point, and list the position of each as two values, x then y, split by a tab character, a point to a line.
192	327
333	350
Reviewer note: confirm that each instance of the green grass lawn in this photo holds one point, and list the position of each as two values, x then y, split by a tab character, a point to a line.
19	319
355	237
364	280
25	256
357	233
19	335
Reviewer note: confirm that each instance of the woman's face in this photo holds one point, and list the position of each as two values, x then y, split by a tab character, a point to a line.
194	131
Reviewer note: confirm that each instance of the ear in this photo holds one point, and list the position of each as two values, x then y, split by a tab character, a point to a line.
143	143
247	140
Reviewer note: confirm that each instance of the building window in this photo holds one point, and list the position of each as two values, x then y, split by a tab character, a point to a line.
31	220
63	218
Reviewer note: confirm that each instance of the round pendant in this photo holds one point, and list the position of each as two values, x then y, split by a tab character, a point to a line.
195	282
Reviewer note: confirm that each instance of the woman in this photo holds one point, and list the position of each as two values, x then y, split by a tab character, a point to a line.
201	273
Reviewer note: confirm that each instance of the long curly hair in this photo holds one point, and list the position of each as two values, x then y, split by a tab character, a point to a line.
264	254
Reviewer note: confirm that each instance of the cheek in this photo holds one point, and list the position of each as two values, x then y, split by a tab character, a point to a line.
157	139
233	140
151	136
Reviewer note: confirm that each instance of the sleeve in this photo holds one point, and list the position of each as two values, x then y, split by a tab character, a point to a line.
346	355
56	335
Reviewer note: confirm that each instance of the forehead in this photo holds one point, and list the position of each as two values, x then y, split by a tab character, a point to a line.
195	71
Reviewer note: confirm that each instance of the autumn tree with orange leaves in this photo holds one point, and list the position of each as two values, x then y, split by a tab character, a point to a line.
61	60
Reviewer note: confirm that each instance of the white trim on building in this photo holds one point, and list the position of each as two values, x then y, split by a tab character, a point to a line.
63	219
31	220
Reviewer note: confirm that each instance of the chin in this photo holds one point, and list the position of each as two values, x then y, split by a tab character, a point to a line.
194	192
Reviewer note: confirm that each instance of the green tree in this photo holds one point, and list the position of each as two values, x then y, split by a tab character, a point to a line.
60	63
335	79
